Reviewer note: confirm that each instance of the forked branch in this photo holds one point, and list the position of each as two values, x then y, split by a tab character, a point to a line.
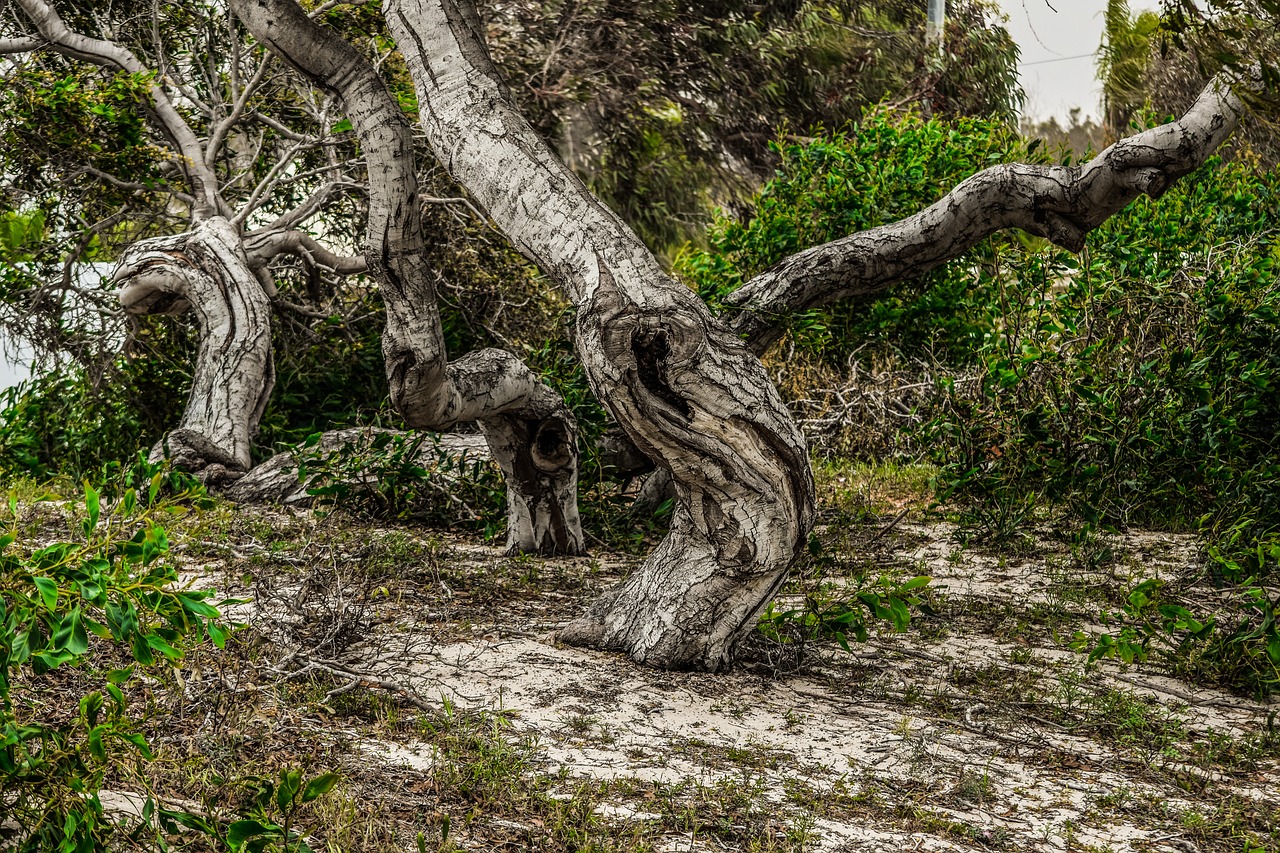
57	36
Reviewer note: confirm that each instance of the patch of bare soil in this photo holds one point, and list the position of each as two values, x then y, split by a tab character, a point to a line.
978	729
423	668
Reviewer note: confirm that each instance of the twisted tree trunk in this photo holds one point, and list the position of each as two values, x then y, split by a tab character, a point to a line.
206	270
684	388
531	433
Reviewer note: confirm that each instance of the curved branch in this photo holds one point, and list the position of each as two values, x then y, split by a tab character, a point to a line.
262	246
1059	203
111	55
530	431
206	269
685	389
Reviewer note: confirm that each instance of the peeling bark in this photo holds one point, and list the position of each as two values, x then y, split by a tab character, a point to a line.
207	271
531	433
683	387
1060	203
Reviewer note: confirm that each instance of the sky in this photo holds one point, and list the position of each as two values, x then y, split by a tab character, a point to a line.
1057	52
12	368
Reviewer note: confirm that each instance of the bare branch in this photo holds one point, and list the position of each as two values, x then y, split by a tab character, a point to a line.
26	44
268	182
136	186
1059	203
310	205
262	246
219	134
111	55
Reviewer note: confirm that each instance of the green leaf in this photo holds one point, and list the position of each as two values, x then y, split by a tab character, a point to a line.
192	603
119	676
96	749
319	786
290	781
241	831
158	643
48	592
141	651
93	504
139	743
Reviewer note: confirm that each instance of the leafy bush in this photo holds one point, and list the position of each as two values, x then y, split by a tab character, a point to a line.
109	596
842	602
1238	647
402	476
880	170
1136	385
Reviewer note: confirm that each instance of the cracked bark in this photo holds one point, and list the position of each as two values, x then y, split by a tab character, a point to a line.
206	270
682	386
1059	203
530	432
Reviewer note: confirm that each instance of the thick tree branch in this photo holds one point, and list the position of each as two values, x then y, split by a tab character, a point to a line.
262	246
685	389
24	44
108	54
206	269
530	431
1059	203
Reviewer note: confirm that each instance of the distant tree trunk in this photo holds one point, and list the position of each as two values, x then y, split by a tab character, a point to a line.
531	433
685	389
206	270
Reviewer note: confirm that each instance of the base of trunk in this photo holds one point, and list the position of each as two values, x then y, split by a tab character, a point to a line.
682	609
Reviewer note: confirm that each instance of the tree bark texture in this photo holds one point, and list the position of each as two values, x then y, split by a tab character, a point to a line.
206	270
1060	203
683	387
531	433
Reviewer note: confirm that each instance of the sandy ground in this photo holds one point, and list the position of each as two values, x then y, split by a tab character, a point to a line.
970	736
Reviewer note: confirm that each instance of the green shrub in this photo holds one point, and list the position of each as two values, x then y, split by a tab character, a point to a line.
1137	384
96	611
878	171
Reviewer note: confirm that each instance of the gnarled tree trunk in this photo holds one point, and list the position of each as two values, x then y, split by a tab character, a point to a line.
684	388
531	433
206	270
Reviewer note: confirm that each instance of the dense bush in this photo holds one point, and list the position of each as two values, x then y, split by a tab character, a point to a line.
1136	384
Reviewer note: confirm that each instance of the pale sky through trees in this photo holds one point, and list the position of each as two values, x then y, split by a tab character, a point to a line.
1058	41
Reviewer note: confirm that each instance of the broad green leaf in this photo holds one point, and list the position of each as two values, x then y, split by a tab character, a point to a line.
48	592
319	786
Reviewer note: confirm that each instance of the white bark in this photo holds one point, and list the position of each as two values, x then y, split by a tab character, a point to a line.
206	270
686	390
530	431
1059	203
